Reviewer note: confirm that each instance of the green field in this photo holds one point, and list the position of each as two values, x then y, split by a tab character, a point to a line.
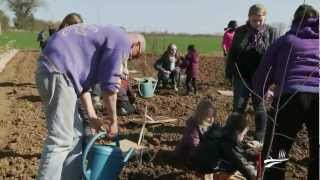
204	44
156	44
20	40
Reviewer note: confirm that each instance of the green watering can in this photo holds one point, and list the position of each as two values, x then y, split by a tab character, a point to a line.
147	86
106	161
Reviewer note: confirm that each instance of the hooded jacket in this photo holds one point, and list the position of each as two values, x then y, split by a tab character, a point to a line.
293	61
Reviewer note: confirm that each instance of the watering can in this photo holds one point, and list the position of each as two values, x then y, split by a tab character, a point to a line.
146	87
105	162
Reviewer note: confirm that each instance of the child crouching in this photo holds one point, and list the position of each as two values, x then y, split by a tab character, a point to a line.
226	149
196	126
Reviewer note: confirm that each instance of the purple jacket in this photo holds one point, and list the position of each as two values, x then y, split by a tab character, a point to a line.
298	50
88	55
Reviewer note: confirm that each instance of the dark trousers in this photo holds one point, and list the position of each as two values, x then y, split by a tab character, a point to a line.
163	79
302	108
125	108
191	83
241	96
42	44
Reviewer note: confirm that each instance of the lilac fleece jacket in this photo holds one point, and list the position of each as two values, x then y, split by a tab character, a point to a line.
294	61
88	55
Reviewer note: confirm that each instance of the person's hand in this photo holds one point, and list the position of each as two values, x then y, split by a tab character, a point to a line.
167	72
269	95
96	123
112	129
255	145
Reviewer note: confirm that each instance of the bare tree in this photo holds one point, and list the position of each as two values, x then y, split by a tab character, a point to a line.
280	27
23	10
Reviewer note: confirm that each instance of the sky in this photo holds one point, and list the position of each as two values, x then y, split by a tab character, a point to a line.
174	16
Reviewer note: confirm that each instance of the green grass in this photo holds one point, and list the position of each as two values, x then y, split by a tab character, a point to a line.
20	40
156	43
205	44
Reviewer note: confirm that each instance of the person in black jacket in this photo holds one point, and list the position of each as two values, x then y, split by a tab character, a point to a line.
248	46
222	149
41	39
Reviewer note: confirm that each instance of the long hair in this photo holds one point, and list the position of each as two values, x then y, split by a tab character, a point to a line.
303	13
70	19
200	116
166	54
232	26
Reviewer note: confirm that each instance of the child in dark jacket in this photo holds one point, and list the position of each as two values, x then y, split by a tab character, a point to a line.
195	128
224	148
191	64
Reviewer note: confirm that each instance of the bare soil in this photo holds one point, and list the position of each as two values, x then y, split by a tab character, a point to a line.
22	123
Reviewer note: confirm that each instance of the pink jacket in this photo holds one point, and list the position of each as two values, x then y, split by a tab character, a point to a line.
227	40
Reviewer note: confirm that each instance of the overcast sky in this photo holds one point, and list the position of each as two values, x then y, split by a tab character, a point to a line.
189	16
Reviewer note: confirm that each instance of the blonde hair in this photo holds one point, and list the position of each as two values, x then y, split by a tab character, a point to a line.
256	9
137	37
202	110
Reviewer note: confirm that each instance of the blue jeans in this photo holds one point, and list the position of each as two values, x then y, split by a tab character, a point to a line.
241	96
62	150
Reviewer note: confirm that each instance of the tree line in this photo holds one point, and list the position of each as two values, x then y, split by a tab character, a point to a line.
24	19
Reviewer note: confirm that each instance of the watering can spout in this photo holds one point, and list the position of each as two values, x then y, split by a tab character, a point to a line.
127	156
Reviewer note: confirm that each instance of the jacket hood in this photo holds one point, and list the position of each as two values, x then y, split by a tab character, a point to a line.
309	29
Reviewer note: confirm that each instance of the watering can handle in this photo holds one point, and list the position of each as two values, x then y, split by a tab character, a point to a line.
139	88
155	85
88	147
128	155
